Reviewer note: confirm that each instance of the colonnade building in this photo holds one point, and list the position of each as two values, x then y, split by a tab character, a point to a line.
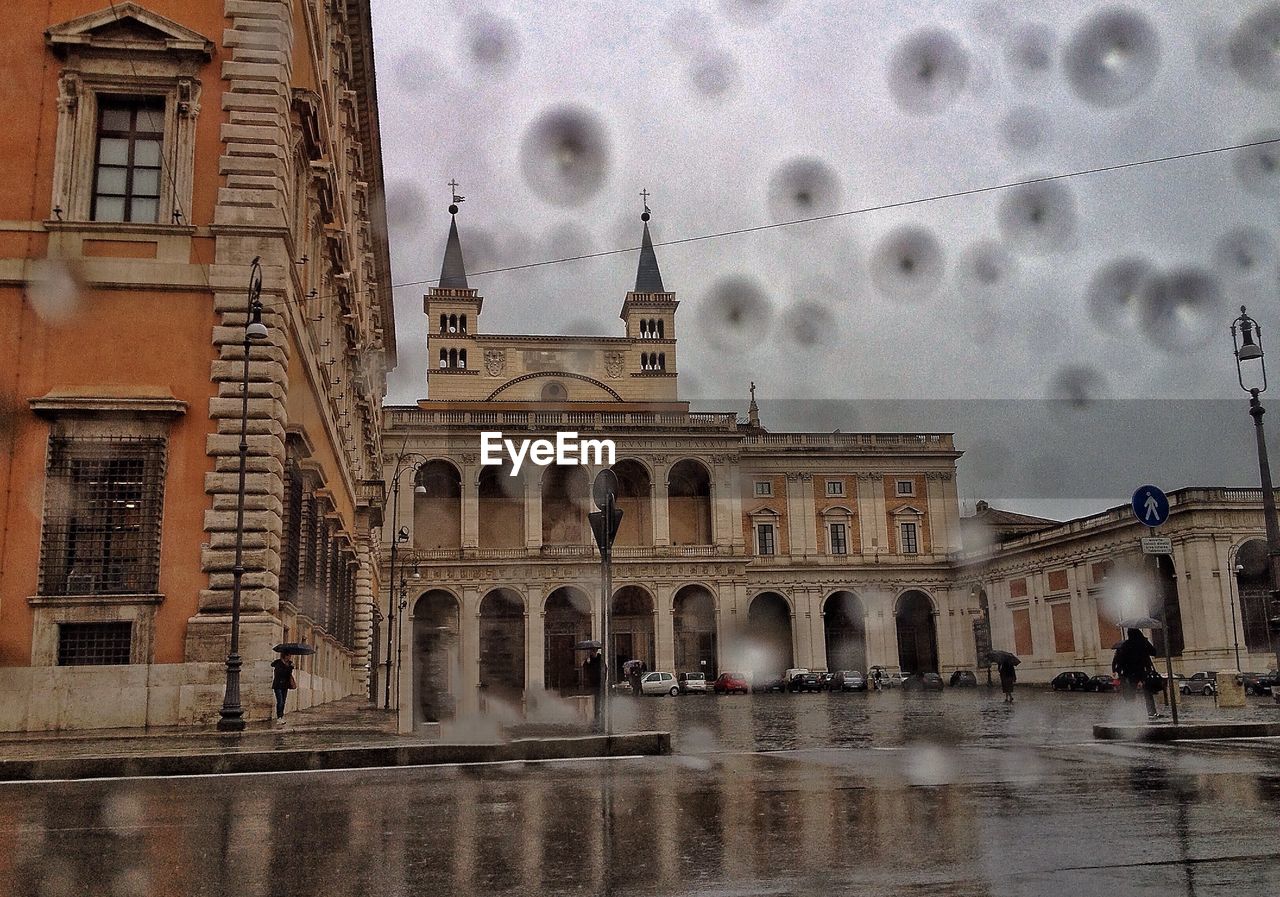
740	549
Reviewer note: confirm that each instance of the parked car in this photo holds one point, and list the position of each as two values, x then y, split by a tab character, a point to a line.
849	680
1201	683
964	679
657	683
922	682
827	679
1072	680
1103	682
890	677
731	683
770	683
1258	683
809	680
693	683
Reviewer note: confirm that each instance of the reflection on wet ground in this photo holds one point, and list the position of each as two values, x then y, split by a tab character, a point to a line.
944	797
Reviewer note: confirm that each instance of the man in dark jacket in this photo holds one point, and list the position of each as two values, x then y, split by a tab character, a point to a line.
1132	663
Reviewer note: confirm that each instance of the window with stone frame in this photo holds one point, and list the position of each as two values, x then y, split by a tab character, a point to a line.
765	544
839	538
910	539
126	174
103	502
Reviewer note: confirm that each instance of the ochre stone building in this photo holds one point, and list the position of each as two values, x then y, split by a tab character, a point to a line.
740	549
151	151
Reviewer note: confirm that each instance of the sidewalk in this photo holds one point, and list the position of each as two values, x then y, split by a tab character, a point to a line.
342	734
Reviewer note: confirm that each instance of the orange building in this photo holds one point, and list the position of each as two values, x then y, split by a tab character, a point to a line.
151	151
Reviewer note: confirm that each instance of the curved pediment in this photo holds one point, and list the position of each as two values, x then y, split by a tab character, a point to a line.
581	388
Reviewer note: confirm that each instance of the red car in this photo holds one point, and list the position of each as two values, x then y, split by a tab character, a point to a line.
728	683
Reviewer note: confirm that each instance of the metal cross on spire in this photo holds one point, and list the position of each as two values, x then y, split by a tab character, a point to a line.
453	185
644	196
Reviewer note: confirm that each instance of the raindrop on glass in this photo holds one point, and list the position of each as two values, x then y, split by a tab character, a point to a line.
1029	53
714	73
1038	217
927	71
987	268
1184	308
803	188
1254	48
1245	253
1257	167
810	325
908	264
752	11
736	313
493	43
1078	384
1025	129
565	155
54	290
1112	57
1115	292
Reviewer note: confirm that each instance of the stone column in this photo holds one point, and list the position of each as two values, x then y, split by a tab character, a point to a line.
817	632
795	517
533	508
471	506
364	597
534	643
665	653
661	510
935	515
469	653
808	514
736	538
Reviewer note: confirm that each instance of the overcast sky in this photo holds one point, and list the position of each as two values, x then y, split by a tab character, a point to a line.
553	117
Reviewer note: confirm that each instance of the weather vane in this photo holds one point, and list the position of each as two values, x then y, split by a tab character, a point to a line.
644	196
457	197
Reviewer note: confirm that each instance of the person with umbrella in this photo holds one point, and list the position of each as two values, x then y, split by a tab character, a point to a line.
282	678
1132	663
1005	663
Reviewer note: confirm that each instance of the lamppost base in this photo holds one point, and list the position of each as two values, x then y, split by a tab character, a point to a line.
232	723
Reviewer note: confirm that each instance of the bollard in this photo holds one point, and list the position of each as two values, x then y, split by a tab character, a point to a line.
1230	691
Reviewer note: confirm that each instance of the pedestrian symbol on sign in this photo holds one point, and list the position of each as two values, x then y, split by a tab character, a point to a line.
1150	506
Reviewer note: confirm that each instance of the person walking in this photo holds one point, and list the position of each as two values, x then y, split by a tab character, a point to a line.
591	681
1133	664
281	682
1007	677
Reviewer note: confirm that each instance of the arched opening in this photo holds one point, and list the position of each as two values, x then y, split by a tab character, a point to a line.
689	503
694	624
444	323
1170	612
769	637
661	335
644	328
453	323
662	361
437	513
502	646
462	323
844	628
634	491
632	629
501	511
1254	588
917	633
462	359
565	494
567	621
444	358
453	358
435	657
554	391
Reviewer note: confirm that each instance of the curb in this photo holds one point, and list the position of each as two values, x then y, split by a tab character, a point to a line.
1186	731
373	756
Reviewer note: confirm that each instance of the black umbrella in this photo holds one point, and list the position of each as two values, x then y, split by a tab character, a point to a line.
1140	623
586	645
998	657
294	648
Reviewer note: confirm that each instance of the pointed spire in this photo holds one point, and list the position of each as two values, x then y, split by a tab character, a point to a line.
453	273
648	277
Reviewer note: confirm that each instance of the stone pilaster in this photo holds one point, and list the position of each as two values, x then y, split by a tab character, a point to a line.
365	596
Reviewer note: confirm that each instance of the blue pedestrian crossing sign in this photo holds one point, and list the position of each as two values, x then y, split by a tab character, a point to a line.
1150	506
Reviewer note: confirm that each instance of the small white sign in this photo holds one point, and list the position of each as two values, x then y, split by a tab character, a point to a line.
1157	545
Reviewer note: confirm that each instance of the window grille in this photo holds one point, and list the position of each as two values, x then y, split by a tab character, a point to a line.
94	644
103	502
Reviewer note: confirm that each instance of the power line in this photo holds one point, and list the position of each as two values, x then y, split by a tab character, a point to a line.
898	204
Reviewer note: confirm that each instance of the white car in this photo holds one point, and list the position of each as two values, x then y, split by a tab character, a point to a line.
693	682
659	684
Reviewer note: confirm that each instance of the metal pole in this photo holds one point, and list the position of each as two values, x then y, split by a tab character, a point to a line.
231	718
1235	631
391	578
1269	513
400	625
606	576
1169	694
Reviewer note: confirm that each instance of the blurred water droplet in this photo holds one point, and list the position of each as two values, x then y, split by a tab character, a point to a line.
688	29
122	811
991	18
54	290
1182	309
810	325
988	268
1029	53
1039	217
927	71
567	240
736	313
1025	129
927	764
908	263
582	327
1115	293
752	11
1112	57
406	204
1254	48
565	155
1245	253
1258	167
493	43
1078	384
416	71
803	188
714	73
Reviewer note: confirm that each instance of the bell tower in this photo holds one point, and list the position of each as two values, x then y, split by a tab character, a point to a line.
649	312
453	318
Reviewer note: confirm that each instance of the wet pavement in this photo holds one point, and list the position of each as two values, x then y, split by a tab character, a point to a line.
952	794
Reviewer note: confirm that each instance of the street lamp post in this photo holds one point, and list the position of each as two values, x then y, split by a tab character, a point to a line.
1235	631
401	535
231	717
1246	336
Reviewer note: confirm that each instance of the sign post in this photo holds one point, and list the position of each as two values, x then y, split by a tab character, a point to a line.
604	526
1151	507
